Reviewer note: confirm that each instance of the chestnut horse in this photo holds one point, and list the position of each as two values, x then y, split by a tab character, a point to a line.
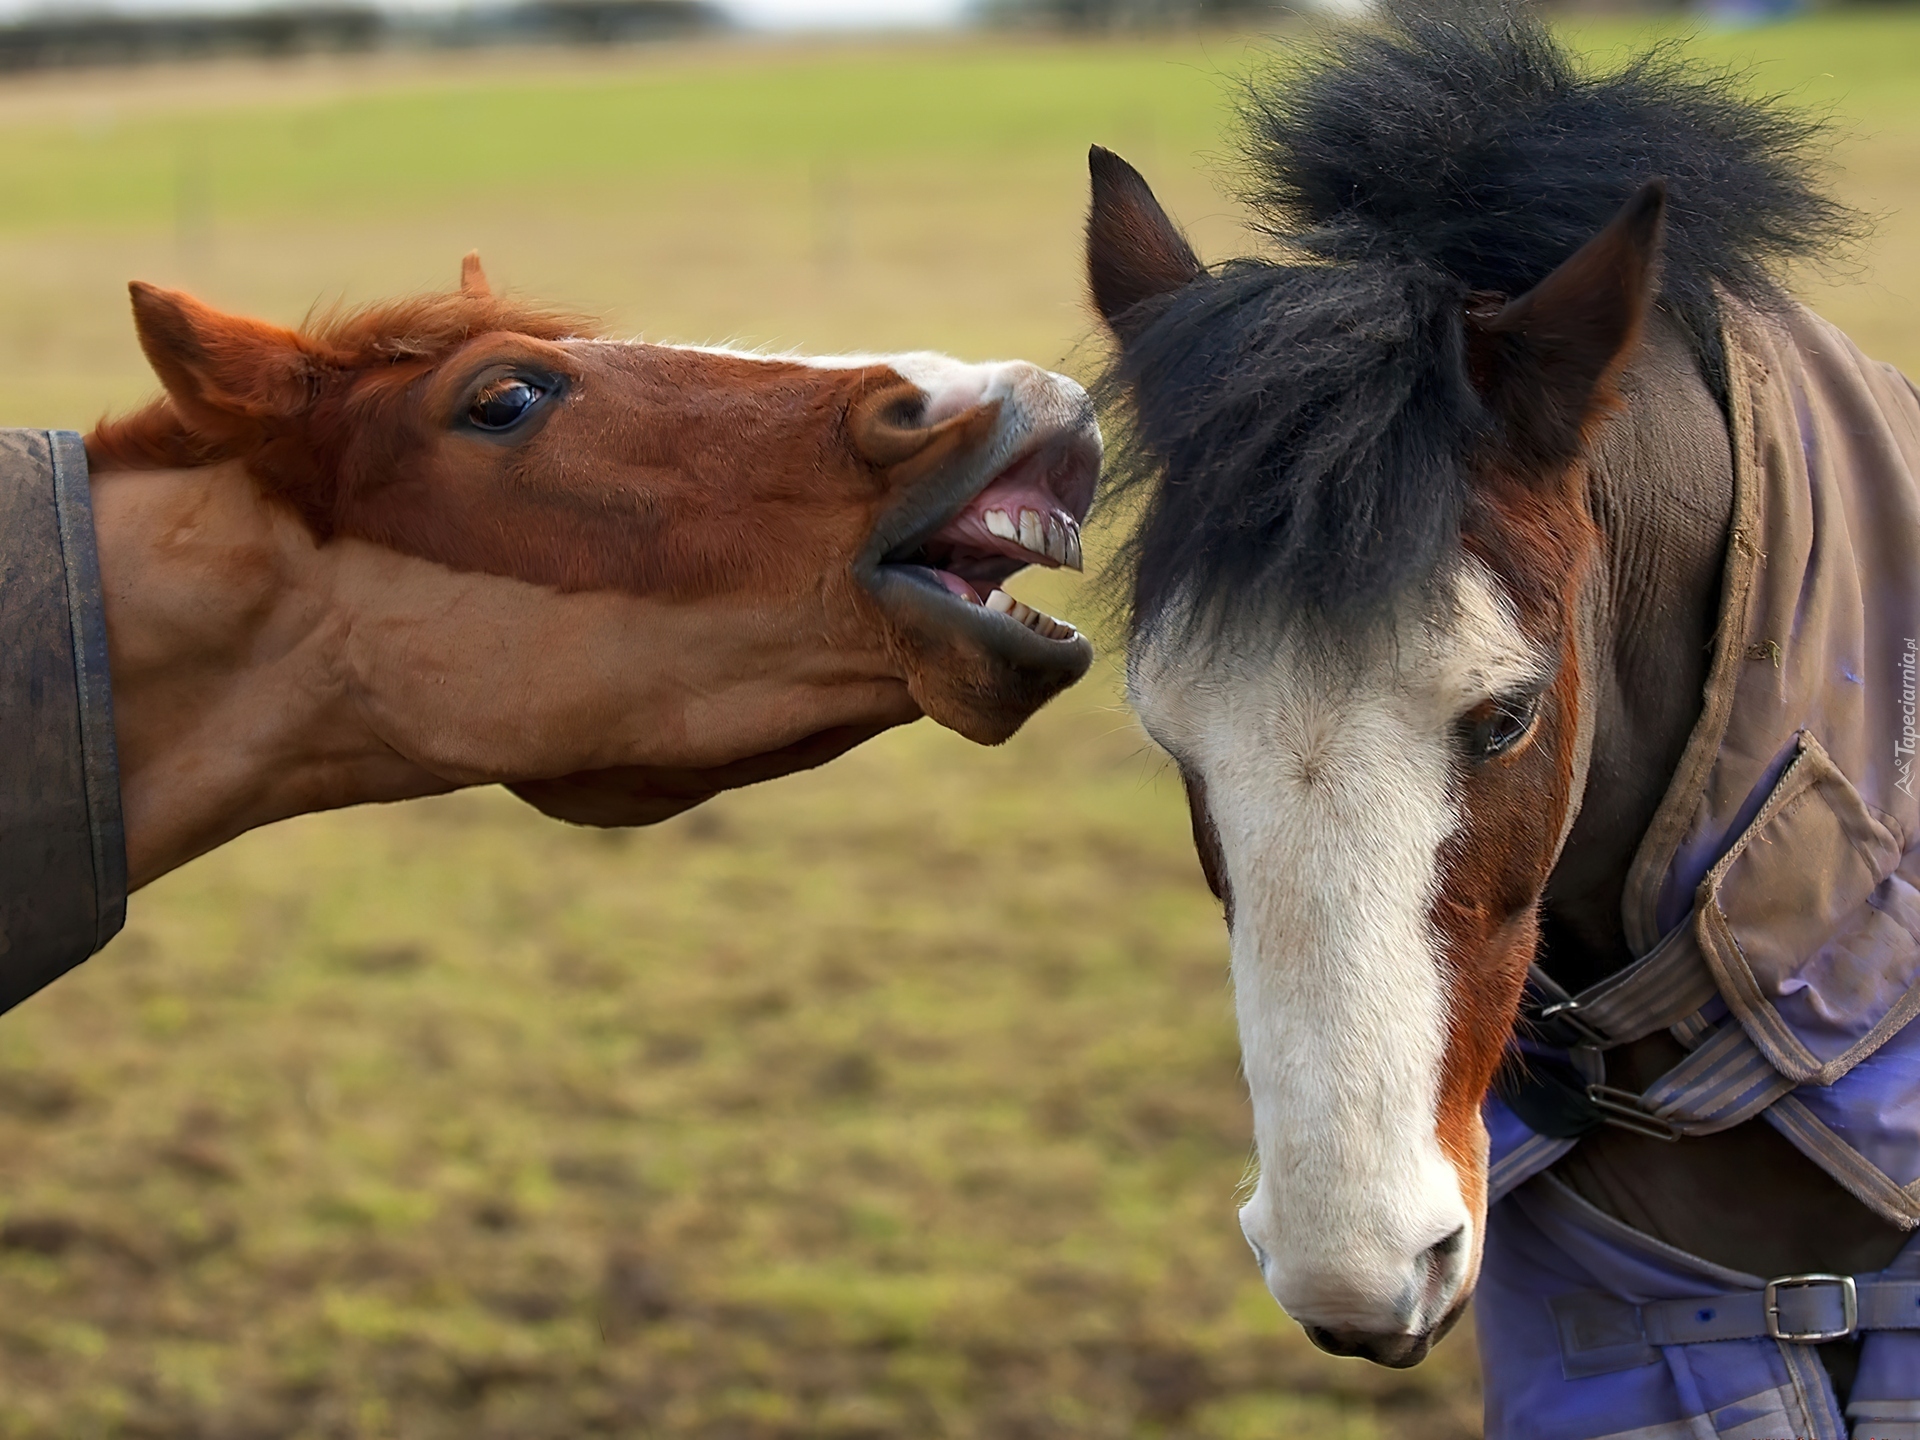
459	540
1437	517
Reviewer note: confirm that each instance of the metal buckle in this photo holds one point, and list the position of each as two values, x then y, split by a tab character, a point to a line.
1629	1111
1562	1012
1849	1308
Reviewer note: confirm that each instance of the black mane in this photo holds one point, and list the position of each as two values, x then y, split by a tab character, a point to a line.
1298	429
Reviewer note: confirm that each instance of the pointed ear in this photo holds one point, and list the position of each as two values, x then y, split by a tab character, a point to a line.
223	372
1547	360
1134	251
473	280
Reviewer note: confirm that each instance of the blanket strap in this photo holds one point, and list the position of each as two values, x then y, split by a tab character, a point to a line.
1724	1081
1600	1333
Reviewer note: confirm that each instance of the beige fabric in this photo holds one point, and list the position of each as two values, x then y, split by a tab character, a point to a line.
1789	827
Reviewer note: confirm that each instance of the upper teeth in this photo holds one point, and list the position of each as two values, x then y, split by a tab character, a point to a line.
1057	537
1037	621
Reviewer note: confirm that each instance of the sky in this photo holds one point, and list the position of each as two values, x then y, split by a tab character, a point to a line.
842	14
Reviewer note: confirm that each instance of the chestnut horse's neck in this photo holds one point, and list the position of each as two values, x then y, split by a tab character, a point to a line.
234	693
258	674
1661	491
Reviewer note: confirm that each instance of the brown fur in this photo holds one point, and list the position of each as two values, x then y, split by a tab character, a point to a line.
346	421
1548	363
1541	542
333	347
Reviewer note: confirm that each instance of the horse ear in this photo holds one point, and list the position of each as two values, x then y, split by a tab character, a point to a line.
473	280
223	372
1547	360
1134	250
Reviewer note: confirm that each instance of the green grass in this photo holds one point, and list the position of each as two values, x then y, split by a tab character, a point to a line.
896	1100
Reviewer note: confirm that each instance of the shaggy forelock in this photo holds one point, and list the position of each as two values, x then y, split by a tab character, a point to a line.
1311	423
1299	432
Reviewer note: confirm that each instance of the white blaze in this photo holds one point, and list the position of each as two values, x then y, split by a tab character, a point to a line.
1328	773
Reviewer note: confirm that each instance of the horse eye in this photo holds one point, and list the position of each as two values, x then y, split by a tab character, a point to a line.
503	403
1495	726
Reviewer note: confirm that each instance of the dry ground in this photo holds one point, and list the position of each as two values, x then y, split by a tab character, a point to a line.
898	1100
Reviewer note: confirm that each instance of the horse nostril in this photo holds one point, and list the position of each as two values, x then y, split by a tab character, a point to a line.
1259	1250
909	412
1441	1270
888	425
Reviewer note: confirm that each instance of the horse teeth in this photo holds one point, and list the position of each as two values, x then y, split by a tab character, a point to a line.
1000	523
1072	557
1056	540
1032	535
1038	621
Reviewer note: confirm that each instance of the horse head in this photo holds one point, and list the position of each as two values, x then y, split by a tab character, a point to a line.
1381	774
617	576
1433	507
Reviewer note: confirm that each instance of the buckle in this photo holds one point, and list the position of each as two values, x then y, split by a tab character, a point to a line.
1562	1012
1849	1308
1629	1111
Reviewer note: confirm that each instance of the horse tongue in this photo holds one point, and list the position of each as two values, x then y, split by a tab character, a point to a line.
954	584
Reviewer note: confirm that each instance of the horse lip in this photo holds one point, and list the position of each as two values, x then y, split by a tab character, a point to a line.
1393	1352
1001	635
921	513
926	509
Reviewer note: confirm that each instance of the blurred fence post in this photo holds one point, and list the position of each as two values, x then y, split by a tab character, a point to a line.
832	219
193	202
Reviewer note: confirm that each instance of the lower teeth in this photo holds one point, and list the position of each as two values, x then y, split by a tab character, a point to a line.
1037	621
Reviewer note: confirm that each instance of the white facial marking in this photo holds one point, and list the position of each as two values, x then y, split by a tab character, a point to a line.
951	386
1328	773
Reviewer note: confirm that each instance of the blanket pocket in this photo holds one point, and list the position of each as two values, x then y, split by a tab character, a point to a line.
1810	928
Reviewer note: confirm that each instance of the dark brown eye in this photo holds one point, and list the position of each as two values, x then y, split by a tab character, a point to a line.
1495	726
504	403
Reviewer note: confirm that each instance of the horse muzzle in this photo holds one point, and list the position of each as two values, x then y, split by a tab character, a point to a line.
995	486
1381	1308
1396	1352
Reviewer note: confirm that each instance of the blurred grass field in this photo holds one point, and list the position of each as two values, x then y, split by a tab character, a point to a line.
897	1100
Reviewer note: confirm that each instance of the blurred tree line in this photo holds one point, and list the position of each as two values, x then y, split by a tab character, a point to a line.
58	39
1098	15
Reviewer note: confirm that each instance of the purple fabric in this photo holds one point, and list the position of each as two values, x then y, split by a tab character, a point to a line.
1701	850
1846	987
1874	1109
1539	1246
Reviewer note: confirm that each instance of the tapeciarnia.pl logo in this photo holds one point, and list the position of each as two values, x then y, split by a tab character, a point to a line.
1903	748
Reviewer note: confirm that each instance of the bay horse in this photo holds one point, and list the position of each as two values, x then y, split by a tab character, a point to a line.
459	540
1526	590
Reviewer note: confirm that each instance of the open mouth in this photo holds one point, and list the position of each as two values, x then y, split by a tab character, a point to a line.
1028	514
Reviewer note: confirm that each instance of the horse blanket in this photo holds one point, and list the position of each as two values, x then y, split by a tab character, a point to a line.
63	864
1774	910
